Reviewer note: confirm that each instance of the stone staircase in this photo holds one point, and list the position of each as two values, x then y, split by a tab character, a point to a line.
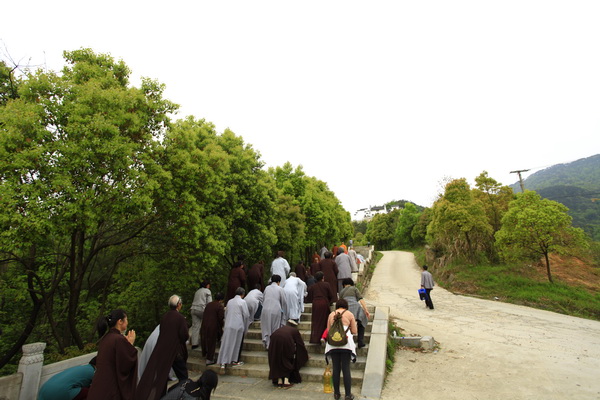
256	363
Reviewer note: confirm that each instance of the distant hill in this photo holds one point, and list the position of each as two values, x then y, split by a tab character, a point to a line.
576	185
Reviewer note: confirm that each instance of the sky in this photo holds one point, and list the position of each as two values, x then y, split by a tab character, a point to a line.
382	100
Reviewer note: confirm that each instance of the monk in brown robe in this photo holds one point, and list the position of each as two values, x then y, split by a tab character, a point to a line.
321	296
212	328
255	276
116	362
330	271
287	354
170	352
301	271
237	278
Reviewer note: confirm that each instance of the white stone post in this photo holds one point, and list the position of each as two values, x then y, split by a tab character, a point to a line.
30	366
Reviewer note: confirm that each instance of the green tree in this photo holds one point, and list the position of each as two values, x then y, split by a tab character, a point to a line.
407	220
534	227
459	224
76	179
381	230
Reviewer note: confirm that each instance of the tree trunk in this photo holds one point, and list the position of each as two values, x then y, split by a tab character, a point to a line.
37	305
548	267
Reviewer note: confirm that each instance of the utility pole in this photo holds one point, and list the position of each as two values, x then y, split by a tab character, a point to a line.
520	179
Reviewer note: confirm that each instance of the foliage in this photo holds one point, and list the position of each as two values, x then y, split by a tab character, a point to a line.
321	219
459	224
534	227
517	283
381	230
106	203
407	220
577	186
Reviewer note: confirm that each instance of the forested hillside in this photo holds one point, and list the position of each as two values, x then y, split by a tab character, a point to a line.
577	186
108	202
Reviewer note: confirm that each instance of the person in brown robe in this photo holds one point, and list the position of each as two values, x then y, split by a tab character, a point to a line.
116	362
237	278
287	354
170	352
321	296
301	271
255	276
330	271
212	328
314	267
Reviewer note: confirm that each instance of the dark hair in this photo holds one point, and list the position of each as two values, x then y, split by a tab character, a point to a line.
425	267
208	381
341	303
237	264
280	253
328	254
340	250
240	291
109	321
319	276
219	296
347	281
205	283
258	286
275	278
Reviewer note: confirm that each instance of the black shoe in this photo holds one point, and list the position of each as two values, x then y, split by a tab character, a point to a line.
337	396
349	397
195	347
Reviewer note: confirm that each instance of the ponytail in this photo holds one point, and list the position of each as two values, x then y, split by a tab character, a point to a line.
109	321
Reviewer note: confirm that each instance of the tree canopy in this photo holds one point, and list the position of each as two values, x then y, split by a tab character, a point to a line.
108	203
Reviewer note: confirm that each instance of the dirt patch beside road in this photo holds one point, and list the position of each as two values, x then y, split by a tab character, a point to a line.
487	349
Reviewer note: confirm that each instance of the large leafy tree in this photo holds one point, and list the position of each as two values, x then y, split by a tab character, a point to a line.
534	227
407	220
381	230
459	224
76	180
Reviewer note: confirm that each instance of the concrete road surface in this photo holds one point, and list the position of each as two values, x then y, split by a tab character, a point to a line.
487	349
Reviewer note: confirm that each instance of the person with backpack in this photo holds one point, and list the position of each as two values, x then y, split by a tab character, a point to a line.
341	325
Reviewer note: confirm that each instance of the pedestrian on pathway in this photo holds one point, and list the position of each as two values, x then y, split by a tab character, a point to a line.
212	328
330	272
274	310
342	355
254	300
357	306
321	296
236	325
237	279
427	284
170	352
255	276
287	354
280	267
344	268
116	362
202	297
295	291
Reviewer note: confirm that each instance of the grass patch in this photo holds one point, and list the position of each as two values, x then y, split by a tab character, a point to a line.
522	285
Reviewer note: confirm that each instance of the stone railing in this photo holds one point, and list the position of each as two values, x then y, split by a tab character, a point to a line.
32	373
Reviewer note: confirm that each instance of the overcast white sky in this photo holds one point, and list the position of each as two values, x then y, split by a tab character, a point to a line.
380	99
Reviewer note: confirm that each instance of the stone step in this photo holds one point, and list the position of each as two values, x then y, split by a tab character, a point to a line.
316	360
255	333
309	374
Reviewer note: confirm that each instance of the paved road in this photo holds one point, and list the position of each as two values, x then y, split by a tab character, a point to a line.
487	350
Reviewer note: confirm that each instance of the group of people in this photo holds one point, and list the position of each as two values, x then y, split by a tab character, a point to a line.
278	305
118	373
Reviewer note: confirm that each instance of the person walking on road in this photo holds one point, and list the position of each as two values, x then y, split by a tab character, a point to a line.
427	284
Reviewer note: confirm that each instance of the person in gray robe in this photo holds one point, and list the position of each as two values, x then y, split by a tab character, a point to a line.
236	318
357	306
274	310
344	267
254	300
295	291
202	297
280	267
